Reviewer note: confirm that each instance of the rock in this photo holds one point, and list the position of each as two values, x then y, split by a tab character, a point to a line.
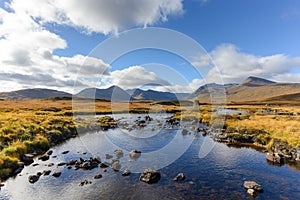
46	172
35	164
126	172
65	152
33	178
50	164
85	182
179	177
61	164
275	158
107	156
251	192
54	156
84	152
191	182
44	157
104	165
150	176
69	167
39	173
119	153
253	185
116	166
135	154
71	162
56	174
19	168
184	132
49	153
1	185
98	176
27	158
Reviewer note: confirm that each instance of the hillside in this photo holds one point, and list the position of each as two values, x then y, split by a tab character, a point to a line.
255	89
37	93
113	93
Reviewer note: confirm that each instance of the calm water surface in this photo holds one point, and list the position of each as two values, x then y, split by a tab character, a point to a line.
220	175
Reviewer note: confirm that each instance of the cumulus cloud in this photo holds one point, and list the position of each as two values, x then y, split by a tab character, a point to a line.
135	76
100	15
234	66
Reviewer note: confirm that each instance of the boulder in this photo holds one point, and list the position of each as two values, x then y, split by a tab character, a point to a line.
116	166
251	192
27	158
46	172
150	176
65	152
179	177
85	182
275	158
44	157
135	154
253	185
126	172
98	176
33	178
49	153
61	164
56	174
119	153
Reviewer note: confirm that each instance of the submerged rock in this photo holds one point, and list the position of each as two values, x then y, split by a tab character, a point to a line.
49	153
65	152
46	172
150	176
116	166
108	156
98	176
253	185
179	177
119	153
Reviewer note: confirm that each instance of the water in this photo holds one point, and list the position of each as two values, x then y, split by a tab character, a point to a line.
219	175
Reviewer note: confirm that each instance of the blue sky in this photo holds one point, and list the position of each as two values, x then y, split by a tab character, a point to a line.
46	43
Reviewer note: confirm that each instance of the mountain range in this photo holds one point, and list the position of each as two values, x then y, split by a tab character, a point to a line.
253	89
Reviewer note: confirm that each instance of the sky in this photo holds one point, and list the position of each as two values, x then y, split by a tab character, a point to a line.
67	45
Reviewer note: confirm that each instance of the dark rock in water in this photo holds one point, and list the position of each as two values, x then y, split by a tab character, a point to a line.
50	164
61	164
69	167
44	157
71	162
119	153
49	153
46	172
104	165
54	156
253	185
116	166
56	174
275	158
135	154
27	159
65	152
33	178
179	177
19	168
84	152
39	173
148	118
107	156
85	182
1	185
150	176
35	164
98	176
126	172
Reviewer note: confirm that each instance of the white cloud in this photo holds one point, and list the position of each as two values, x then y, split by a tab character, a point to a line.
135	76
235	66
100	15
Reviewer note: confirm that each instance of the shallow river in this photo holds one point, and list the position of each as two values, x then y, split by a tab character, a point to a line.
219	175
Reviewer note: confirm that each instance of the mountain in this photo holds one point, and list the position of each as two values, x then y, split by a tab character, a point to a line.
252	81
253	89
212	87
37	93
153	95
113	93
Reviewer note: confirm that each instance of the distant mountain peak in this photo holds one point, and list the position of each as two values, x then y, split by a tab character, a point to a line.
253	81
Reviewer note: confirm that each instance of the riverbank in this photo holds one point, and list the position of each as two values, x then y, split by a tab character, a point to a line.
274	128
